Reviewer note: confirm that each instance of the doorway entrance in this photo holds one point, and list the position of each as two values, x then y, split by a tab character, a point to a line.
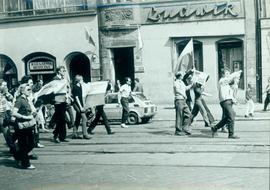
230	55
124	64
79	64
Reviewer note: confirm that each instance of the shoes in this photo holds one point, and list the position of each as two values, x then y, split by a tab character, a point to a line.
251	115
246	116
76	137
124	125
90	131
214	131
179	134
31	167
86	137
233	137
64	140
187	132
39	145
33	157
111	133
55	140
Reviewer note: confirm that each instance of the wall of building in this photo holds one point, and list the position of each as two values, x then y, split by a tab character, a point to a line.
58	37
158	59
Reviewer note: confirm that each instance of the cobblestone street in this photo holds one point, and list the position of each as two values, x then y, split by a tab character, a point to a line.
148	156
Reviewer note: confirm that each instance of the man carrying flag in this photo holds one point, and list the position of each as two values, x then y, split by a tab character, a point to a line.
56	89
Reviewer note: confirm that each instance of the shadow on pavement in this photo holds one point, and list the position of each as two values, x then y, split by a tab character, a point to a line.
9	163
164	132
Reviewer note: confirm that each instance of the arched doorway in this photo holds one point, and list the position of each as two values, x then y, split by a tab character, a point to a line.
8	71
198	52
78	63
230	55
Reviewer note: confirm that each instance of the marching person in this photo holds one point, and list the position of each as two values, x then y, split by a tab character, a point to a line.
99	112
77	92
123	96
267	98
22	111
59	133
226	103
5	114
250	103
200	106
182	112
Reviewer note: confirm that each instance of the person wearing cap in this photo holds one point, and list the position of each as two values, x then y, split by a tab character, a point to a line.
182	112
226	103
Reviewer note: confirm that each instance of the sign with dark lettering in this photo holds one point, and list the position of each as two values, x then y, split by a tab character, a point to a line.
41	65
174	13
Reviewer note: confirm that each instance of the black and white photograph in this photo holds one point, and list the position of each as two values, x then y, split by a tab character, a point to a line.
134	94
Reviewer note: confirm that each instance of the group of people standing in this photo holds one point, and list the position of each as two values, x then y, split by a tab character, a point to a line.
185	114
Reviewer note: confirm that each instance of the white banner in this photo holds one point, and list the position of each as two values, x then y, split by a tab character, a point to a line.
94	93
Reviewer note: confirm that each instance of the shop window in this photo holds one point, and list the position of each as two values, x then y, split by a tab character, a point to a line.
198	52
230	55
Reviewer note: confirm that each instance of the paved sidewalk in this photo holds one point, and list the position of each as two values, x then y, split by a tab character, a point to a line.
167	112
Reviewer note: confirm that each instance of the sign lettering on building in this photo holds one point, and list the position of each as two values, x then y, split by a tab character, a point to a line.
41	65
175	13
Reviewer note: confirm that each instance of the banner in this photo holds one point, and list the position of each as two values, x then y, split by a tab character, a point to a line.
185	61
200	77
94	93
52	88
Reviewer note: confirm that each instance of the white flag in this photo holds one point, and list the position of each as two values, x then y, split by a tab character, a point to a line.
185	61
94	93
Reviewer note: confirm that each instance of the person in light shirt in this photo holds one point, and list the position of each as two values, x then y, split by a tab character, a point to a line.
182	112
226	102
124	93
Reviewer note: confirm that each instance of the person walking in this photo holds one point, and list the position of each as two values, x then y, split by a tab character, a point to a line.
22	111
100	114
267	98
123	96
200	106
77	93
59	133
250	103
226	103
182	112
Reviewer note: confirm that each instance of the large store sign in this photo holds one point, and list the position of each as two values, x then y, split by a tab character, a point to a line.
41	65
195	11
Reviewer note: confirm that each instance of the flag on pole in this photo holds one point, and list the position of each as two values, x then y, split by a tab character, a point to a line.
140	42
88	36
185	61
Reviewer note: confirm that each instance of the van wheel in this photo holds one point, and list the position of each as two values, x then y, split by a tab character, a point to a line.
133	118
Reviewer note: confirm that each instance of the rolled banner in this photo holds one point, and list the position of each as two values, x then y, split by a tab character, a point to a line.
200	77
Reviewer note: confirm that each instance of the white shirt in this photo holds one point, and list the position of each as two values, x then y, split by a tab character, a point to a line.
125	91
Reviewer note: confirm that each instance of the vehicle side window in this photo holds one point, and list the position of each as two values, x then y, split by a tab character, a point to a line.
130	100
111	99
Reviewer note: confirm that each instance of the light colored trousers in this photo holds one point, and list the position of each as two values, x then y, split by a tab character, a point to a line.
250	107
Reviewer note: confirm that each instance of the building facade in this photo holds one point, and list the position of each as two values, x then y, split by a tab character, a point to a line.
113	39
143	39
36	36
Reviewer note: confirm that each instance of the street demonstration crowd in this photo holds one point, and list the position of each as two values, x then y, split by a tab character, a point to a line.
23	115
